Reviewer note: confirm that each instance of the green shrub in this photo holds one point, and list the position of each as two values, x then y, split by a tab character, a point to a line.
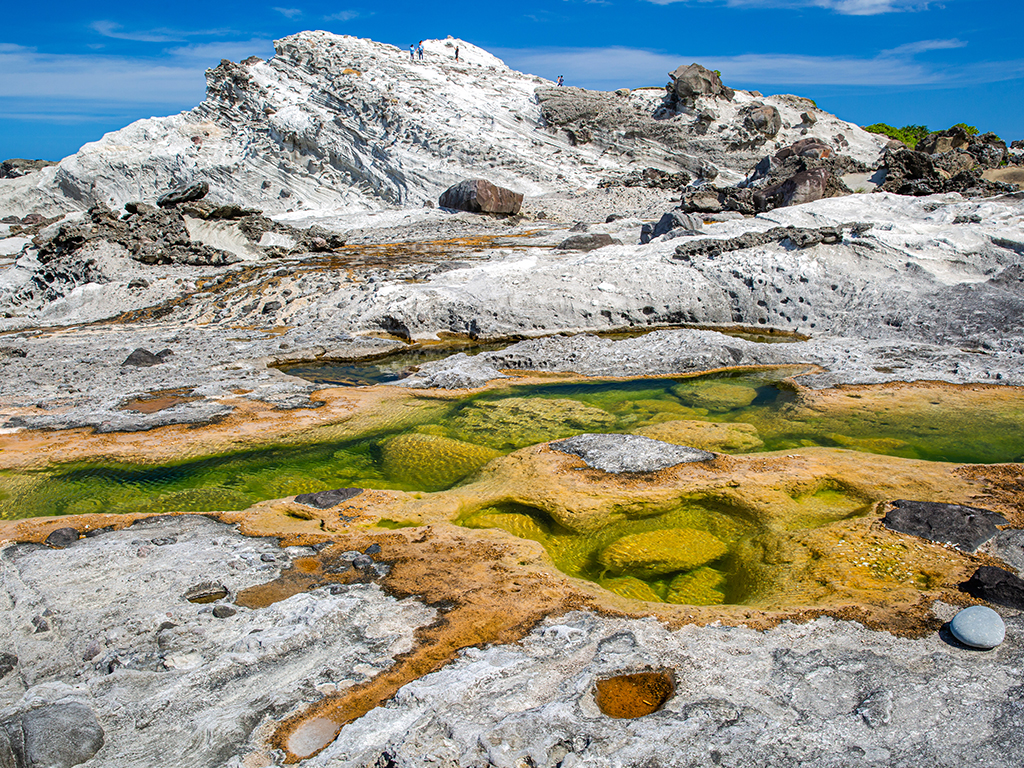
908	134
970	129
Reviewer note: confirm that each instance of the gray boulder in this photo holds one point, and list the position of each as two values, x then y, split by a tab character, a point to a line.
588	242
51	736
327	499
480	196
689	82
996	586
669	222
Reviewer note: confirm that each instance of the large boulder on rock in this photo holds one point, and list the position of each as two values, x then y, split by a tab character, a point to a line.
481	196
763	119
944	141
802	187
996	586
689	82
183	193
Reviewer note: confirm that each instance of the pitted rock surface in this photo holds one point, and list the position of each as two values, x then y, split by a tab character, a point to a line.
628	453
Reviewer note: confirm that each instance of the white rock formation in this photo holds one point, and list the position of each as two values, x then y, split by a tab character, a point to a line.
338	122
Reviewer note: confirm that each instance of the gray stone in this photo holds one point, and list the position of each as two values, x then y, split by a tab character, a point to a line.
62	537
628	453
965	528
52	736
223	611
142	358
327	499
8	661
978	626
588	242
763	119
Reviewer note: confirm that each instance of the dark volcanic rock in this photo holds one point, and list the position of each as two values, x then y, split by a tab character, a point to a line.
327	499
801	237
19	166
480	196
62	537
142	357
689	82
8	661
588	242
184	193
966	528
996	586
628	453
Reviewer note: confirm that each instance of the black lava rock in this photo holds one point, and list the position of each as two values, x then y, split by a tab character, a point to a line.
223	611
996	586
373	549
965	528
588	242
61	538
327	499
185	193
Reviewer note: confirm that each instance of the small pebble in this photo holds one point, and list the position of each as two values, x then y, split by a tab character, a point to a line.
61	538
373	549
978	627
267	557
223	611
165	540
362	562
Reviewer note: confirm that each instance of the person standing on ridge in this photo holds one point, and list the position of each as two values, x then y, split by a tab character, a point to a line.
456	53
419	50
412	51
560	80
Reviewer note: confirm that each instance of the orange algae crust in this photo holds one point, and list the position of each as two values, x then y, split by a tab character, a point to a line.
634	695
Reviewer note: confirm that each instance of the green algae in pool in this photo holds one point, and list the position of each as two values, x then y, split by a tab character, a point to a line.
686	555
448	442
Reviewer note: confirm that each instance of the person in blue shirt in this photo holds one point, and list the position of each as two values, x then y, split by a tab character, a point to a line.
560	80
412	51
419	50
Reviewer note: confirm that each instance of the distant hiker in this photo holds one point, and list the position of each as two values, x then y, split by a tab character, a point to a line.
456	53
560	80
412	51
419	50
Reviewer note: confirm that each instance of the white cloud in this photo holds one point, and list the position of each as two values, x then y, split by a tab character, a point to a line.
610	68
908	49
290	13
844	7
342	16
175	80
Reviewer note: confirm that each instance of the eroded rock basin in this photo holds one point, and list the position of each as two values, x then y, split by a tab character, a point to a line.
474	512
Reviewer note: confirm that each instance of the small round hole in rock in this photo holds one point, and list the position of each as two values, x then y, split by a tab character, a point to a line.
635	695
206	592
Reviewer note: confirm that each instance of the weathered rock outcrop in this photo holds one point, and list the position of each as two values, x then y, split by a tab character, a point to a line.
689	82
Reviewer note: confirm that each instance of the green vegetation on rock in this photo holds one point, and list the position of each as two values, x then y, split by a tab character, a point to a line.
431	462
908	134
703	586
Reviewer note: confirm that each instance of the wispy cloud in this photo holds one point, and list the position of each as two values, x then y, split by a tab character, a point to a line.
342	16
908	49
291	13
610	68
845	7
160	35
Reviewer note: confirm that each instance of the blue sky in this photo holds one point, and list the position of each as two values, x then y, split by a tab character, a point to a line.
70	72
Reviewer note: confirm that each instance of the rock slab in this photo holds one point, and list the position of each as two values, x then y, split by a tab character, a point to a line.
327	499
965	528
628	453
